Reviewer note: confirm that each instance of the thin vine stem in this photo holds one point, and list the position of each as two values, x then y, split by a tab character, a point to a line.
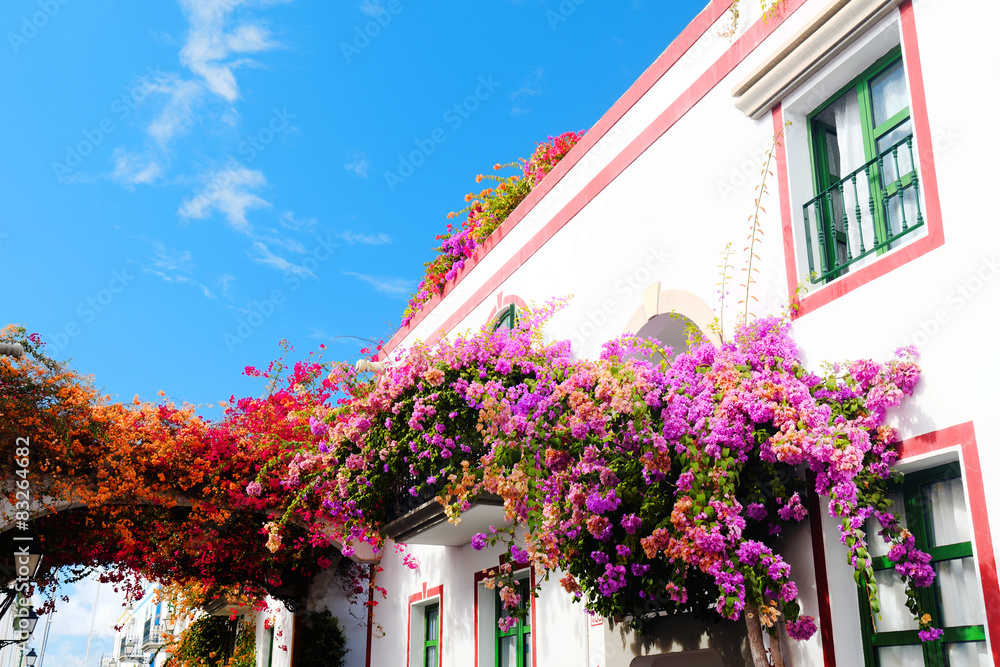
755	229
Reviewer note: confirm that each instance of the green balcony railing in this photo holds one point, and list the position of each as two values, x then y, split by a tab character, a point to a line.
866	213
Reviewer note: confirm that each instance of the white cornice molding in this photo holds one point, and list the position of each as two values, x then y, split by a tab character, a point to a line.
834	28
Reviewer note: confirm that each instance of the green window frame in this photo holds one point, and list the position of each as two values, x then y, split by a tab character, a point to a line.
269	642
432	635
506	318
916	493
513	646
880	201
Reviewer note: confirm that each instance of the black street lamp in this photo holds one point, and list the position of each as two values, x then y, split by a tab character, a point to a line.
26	624
30	658
25	567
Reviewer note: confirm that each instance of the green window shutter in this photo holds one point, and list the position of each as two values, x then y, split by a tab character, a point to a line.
432	634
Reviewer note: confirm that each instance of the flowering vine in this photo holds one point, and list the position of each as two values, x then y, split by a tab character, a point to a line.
152	490
651	487
484	214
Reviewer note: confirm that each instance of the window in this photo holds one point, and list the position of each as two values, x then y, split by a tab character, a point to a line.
865	178
423	634
937	516
513	646
431	635
505	319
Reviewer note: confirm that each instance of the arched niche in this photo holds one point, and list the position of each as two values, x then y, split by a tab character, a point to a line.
667	315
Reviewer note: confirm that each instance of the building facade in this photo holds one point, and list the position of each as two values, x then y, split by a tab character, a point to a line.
871	205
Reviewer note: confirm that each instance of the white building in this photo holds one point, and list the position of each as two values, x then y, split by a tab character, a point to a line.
879	188
141	633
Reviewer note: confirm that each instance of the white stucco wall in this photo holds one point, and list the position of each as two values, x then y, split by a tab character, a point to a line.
667	217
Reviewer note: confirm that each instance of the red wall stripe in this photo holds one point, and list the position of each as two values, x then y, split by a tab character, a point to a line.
822	582
371	612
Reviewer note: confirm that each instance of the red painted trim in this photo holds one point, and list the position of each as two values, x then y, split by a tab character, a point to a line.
964	436
684	41
483	574
371	611
822	582
535	630
733	56
785	206
928	186
479	576
506	300
423	594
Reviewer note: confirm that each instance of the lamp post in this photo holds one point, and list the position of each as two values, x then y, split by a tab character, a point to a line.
11	350
30	658
26	565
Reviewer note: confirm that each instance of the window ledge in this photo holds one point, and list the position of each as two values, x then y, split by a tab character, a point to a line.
812	47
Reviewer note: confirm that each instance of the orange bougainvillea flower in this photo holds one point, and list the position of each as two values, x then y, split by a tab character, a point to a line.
155	490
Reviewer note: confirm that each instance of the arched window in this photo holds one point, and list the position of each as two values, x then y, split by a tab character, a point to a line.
506	318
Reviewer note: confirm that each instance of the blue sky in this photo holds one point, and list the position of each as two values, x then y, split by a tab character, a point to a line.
187	182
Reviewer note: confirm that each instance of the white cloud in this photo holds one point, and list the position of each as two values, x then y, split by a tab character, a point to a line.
530	88
318	334
212	48
217	43
230	192
359	166
72	619
166	261
225	283
397	288
289	221
133	169
178	112
366	239
261	254
174	266
277	238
